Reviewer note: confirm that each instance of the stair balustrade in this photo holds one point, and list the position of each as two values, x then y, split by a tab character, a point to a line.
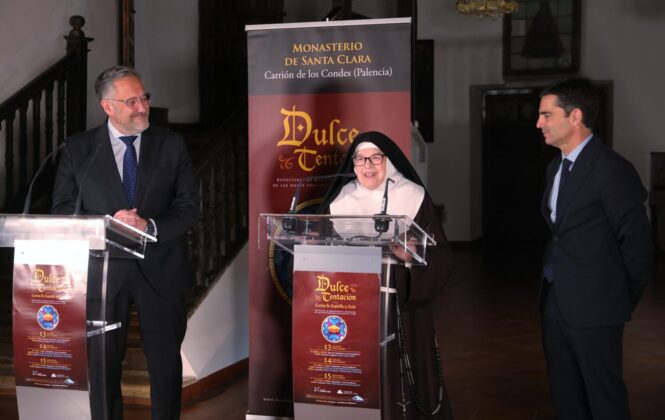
41	115
38	117
221	166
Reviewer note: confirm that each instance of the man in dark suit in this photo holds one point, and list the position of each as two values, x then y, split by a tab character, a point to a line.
142	176
597	261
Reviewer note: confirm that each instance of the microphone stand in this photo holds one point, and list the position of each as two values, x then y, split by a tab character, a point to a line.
77	208
28	197
381	224
289	223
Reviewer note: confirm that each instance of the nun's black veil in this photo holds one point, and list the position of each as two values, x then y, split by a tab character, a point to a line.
388	148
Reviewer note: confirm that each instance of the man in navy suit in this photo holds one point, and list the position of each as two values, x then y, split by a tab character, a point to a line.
598	259
143	176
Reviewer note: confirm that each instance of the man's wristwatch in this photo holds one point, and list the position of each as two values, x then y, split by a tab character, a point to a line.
150	228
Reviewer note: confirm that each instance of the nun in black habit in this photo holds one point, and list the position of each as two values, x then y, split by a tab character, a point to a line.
418	392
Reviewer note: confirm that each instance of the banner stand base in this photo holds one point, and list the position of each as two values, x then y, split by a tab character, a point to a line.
260	417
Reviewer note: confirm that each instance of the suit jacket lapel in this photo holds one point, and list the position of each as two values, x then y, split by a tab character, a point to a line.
147	159
108	166
581	170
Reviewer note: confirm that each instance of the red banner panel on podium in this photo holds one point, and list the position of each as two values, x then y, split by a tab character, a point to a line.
49	326
336	325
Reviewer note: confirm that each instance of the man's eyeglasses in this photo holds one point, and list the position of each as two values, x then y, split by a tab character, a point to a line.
376	159
133	102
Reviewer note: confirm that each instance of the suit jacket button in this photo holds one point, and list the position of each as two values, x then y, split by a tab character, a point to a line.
555	238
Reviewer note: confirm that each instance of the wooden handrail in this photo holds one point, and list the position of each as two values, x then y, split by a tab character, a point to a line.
52	103
25	94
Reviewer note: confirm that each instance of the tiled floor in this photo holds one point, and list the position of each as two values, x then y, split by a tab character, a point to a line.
489	334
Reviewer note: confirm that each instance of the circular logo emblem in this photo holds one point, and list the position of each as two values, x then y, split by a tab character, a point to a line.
48	317
333	329
280	262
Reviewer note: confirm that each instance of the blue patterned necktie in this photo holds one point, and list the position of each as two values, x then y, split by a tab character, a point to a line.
129	169
548	269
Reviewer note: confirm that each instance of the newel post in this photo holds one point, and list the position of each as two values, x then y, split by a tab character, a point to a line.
77	79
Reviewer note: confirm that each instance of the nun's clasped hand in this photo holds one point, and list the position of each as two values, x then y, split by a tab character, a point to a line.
401	253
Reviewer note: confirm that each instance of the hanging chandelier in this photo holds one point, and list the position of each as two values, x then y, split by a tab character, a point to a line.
491	8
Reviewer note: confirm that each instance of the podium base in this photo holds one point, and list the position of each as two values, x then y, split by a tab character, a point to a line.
329	412
42	403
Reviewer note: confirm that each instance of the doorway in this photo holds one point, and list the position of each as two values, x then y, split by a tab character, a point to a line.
514	160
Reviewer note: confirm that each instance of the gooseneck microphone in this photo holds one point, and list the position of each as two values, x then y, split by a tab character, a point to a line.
77	208
381	224
289	223
28	197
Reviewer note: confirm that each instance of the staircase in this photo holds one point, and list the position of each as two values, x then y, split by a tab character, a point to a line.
33	122
220	161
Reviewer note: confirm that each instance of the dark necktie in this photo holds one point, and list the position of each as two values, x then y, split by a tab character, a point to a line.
129	169
565	171
548	269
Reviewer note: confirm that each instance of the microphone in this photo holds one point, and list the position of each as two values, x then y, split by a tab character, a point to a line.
77	208
381	224
289	223
28	197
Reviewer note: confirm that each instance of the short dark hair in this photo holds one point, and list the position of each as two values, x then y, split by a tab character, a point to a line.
110	75
576	93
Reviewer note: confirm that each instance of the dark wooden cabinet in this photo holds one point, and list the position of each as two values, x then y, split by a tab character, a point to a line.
657	199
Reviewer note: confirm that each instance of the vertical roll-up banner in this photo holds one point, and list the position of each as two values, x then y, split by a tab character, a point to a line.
313	87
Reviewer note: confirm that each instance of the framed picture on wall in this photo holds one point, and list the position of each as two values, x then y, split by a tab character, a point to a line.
542	38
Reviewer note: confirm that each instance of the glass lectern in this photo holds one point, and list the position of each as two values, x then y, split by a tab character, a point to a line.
59	300
342	297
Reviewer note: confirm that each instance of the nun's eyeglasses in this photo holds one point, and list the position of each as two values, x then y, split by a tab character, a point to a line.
376	159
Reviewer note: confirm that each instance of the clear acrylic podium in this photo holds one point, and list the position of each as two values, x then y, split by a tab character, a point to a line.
357	244
58	241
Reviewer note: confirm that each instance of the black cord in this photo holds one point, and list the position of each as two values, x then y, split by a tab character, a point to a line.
357	237
404	355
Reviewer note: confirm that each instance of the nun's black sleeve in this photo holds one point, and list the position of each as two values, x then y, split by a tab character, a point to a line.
424	283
